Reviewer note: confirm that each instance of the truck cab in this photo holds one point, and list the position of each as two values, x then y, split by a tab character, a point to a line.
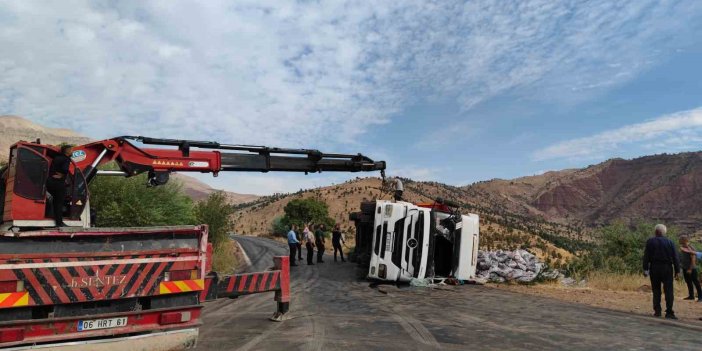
25	202
401	241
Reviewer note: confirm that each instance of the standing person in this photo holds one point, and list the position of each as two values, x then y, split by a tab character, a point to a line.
299	243
688	261
319	242
309	244
399	189
337	239
661	262
56	183
293	243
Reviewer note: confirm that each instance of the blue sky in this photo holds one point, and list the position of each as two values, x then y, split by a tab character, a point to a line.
450	91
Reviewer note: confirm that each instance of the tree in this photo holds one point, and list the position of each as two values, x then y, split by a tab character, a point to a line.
278	227
303	211
619	249
216	212
120	202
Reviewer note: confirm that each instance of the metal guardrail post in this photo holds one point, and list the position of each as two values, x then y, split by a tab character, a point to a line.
282	296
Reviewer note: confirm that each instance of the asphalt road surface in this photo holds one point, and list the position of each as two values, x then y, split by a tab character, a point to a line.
332	309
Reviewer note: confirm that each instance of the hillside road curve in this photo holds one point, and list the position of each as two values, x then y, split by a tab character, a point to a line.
332	309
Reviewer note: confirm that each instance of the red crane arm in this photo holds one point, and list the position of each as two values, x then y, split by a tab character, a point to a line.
133	160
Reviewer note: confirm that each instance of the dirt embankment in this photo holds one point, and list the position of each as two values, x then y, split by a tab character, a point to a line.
637	302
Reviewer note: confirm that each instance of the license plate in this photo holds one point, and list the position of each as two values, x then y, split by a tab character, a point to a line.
93	324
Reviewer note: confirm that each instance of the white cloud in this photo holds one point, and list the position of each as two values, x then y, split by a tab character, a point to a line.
312	74
677	131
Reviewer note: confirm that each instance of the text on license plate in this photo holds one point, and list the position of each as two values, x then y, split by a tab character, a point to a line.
93	324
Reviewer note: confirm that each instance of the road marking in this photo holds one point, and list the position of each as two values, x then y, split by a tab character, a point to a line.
415	329
243	253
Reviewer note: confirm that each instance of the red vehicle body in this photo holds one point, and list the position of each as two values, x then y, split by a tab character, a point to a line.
86	283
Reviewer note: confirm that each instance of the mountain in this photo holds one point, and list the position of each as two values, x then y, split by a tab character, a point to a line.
16	128
553	213
498	229
663	188
198	190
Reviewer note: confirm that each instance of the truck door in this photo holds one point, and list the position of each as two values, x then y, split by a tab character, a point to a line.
25	196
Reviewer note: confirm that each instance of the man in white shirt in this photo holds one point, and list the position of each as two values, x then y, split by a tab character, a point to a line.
293	243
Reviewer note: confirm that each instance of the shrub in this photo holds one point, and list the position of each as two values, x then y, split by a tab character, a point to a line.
119	202
278	227
618	249
216	212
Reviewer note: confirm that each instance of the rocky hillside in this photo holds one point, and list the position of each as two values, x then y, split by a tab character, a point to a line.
655	188
498	229
548	211
17	128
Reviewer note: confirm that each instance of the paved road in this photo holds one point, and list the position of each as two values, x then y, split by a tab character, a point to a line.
332	309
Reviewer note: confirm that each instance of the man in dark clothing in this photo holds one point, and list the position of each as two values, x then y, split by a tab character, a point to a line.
661	262
337	239
688	261
319	242
56	183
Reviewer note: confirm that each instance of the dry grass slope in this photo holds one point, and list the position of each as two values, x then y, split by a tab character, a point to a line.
497	229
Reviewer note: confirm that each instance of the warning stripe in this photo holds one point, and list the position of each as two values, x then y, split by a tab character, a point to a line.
262	284
36	292
252	286
166	266
18	299
274	280
53	280
242	283
232	283
181	286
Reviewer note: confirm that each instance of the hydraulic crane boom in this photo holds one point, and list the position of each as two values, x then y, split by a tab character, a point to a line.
23	182
133	160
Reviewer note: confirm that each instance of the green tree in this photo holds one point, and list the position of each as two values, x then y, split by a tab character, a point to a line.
216	212
302	211
619	249
278	227
120	202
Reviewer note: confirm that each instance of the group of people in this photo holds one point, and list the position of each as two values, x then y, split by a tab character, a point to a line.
662	263
313	240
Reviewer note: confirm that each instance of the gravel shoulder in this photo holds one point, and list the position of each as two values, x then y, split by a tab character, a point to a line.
637	302
331	309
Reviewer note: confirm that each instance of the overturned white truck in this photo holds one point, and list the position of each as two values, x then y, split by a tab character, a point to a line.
400	241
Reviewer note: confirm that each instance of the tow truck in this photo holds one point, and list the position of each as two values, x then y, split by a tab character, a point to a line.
84	287
397	241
